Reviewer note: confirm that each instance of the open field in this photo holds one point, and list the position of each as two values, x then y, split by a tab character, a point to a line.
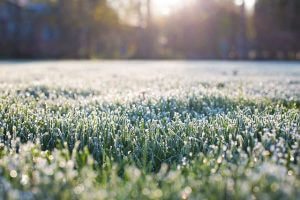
149	130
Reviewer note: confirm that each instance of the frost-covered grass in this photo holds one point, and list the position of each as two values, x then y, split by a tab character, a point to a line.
159	130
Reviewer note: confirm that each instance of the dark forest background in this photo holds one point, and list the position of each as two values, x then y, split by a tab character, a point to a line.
119	29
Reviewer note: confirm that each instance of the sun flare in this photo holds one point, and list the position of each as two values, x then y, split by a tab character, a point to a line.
165	7
248	3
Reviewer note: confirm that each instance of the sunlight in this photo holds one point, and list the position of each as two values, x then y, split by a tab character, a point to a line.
248	3
165	7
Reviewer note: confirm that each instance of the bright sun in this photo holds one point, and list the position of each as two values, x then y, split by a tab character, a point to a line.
165	7
249	3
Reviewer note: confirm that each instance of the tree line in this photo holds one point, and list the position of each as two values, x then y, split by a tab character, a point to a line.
128	29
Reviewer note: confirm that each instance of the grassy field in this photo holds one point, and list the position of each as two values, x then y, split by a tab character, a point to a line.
149	130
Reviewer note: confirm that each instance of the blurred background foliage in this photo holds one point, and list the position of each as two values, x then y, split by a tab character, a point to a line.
129	29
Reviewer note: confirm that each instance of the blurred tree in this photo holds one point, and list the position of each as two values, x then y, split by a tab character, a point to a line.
138	15
209	30
85	27
277	24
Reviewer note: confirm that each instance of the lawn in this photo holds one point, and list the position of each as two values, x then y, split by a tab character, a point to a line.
149	130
